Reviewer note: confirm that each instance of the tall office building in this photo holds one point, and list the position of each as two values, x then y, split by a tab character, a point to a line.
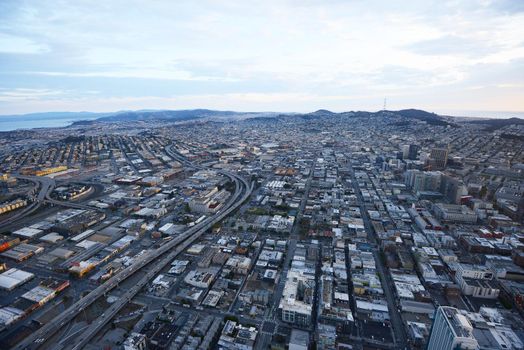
438	158
405	151
454	189
410	152
423	180
451	330
413	152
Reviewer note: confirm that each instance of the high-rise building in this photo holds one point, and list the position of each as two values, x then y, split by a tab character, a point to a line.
451	330
405	151
454	189
410	152
438	158
455	329
423	180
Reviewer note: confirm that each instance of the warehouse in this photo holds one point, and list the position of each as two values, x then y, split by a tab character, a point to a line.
86	244
102	238
28	232
12	278
39	294
62	253
9	315
78	223
201	278
83	235
52	237
196	249
22	252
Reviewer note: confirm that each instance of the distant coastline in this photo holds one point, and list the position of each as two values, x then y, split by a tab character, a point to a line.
65	119
43	120
34	124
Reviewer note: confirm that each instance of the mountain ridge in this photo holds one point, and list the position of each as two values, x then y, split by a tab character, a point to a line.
88	118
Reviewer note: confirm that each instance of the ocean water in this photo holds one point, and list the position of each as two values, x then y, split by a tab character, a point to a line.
481	114
10	123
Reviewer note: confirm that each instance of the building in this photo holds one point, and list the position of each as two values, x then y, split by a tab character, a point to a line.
239	264
135	341
48	171
454	213
487	289
453	189
513	192
209	202
13	278
410	152
477	281
237	337
299	340
201	278
327	336
296	304
451	330
413	152
420	181
459	329
438	158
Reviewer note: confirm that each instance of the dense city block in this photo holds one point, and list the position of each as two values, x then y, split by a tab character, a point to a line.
387	230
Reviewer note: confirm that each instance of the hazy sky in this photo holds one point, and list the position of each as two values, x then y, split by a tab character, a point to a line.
265	55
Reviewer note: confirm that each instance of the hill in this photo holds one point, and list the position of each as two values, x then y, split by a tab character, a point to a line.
495	124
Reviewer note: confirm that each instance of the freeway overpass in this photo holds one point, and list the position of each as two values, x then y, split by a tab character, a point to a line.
160	256
46	187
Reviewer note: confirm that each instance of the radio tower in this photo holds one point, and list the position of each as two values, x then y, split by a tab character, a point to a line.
385	100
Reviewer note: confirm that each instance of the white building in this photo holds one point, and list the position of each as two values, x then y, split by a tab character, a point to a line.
296	303
477	281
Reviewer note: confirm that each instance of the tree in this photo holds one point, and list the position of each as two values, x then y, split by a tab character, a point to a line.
483	191
231	318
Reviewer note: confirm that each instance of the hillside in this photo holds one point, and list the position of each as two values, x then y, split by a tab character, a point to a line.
495	124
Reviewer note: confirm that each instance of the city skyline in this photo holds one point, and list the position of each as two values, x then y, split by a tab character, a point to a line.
446	57
237	175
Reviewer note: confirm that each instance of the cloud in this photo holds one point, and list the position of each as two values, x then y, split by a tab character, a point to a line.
20	45
163	49
280	102
139	73
452	45
506	6
22	94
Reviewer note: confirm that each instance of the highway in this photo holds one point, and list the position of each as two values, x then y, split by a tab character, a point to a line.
171	248
46	185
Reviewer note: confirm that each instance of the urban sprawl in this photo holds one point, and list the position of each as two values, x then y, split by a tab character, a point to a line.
315	231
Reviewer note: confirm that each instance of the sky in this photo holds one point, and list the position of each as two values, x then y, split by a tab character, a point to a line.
290	56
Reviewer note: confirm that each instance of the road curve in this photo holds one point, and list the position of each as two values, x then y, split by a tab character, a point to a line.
46	187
